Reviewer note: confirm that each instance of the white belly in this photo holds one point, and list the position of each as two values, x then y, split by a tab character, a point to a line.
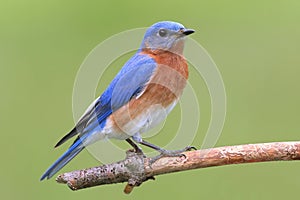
142	123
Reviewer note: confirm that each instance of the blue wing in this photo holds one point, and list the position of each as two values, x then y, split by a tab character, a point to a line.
130	81
127	83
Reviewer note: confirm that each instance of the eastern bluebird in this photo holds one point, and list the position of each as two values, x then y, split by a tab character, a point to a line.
140	96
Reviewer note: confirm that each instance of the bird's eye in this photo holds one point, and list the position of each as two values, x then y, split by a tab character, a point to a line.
162	32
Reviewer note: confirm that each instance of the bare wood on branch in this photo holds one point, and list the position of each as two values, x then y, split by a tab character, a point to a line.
136	169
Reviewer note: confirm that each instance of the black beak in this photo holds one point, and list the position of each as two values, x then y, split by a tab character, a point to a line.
188	31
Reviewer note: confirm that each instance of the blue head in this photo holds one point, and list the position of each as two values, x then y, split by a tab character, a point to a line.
166	35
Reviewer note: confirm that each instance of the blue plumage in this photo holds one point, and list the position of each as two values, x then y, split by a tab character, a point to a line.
75	149
128	85
132	77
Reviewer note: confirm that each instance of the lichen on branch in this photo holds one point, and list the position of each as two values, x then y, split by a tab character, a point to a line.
136	168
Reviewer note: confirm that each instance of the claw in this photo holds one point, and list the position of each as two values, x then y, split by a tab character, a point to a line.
182	155
140	152
190	148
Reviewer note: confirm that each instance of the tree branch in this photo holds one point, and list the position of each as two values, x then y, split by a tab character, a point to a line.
136	169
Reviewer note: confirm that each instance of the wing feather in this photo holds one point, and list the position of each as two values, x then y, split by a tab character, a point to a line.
129	82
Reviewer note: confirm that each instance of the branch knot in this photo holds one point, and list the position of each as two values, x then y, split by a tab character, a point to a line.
136	169
134	164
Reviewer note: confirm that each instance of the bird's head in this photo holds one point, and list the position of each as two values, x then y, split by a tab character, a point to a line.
166	35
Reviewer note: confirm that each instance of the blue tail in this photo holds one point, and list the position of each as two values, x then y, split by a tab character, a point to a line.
75	149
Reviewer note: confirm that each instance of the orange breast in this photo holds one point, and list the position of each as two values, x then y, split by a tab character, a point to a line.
165	86
169	79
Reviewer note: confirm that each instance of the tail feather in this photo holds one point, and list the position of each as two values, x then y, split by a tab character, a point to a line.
75	149
72	133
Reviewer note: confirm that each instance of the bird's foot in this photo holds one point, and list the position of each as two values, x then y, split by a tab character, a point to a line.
139	151
167	153
136	148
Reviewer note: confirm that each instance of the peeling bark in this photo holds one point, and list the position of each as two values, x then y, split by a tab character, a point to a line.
136	169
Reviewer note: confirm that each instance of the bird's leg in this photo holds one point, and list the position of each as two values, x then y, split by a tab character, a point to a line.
166	153
137	149
163	152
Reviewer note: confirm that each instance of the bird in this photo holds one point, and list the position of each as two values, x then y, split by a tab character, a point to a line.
141	95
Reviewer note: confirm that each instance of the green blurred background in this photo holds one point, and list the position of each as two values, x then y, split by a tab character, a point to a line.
254	43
